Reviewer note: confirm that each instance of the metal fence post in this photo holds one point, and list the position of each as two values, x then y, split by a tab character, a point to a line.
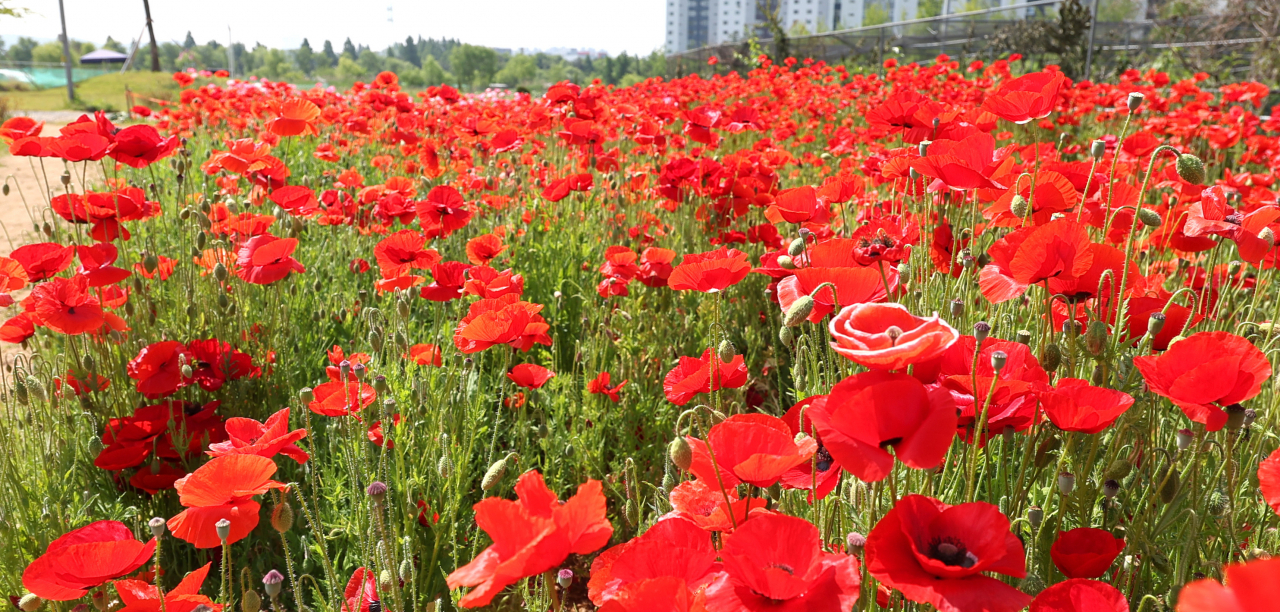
1088	54
66	53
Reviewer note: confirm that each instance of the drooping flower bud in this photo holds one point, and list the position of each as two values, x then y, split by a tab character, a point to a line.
1149	217
799	311
786	263
796	248
494	474
680	453
786	336
1095	338
1191	169
250	602
220	272
444	466
1019	207
726	351
29	602
1051	357
282	517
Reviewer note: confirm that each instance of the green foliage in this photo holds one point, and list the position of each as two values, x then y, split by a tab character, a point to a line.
473	64
519	70
874	14
349	68
304	58
433	73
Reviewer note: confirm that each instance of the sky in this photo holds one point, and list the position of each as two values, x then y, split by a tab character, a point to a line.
615	26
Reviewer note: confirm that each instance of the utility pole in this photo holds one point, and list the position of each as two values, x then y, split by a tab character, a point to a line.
1088	54
231	53
66	53
155	51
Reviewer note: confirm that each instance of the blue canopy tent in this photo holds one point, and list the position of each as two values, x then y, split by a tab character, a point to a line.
103	56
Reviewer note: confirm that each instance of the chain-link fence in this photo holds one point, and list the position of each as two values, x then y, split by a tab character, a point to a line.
1043	31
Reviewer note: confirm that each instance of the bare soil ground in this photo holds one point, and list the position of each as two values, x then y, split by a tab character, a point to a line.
26	178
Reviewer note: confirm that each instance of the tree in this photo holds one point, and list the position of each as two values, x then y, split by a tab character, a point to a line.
329	57
304	57
189	42
520	70
370	61
349	69
21	52
433	73
473	64
349	50
409	52
114	46
49	53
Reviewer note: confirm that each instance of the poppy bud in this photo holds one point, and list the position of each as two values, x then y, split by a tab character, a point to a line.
223	527
386	581
1019	206
1095	338
1149	218
444	467
1184	439
1032	585
282	517
20	391
187	372
799	311
904	269
726	351
680	453
1118	470
786	336
1035	516
220	272
981	330
1191	169
786	263
494	474
250	602
1135	100
856	542
29	602
1155	323
998	359
36	389
223	302
157	525
1066	483
1098	376
406	571
796	248
1050	357
271	582
1022	337
1168	481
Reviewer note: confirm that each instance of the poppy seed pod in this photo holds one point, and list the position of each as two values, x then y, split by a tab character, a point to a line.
856	542
377	490
271	582
564	578
282	517
796	248
1098	149
1184	438
1066	483
1111	488
359	370
1035	516
799	311
1135	100
29	602
957	308
1168	481
223	527
1149	217
1095	338
250	602
981	330
1022	337
1235	417
494	474
1155	323
157	526
380	384
306	395
1019	206
998	359
924	147
681	453
726	351
1191	169
66	178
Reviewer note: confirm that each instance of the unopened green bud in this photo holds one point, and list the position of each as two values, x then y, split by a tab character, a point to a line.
494	474
786	336
796	248
250	602
220	272
726	350
444	466
386	581
799	311
1191	169
1051	357
1019	206
1095	338
786	263
681	453
1149	217
29	602
282	517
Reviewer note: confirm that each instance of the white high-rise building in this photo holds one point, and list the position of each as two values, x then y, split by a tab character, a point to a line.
697	23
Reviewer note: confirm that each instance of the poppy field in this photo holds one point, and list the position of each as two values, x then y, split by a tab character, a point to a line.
955	337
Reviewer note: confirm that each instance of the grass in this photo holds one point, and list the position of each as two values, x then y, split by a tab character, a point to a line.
98	92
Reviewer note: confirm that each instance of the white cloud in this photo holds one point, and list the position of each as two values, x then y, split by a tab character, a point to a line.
633	26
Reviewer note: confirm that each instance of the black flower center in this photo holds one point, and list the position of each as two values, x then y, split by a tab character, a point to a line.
823	457
951	552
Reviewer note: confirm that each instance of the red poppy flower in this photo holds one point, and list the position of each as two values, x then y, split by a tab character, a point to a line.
297	116
80	146
600	386
776	562
488	283
18	328
1075	405
95	264
823	473
403	251
793	205
139	146
66	306
1012	390
505	320
482	249
249	437
448	279
1250	587
223	488
139	596
530	376
443	212
425	354
1057	251
214	362
694	376
655	266
1027	97
85	558
1080	595
939	554
15	128
333	399
961	164
867	414
298	200
1205	373
42	260
172	430
1085	552
361	592
158	368
1214	216
531	535
888	337
675	553
710	272
266	259
1269	480
752	448
704	504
